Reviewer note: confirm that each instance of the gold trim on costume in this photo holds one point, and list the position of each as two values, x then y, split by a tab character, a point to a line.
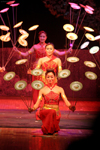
56	109
40	97
64	96
60	67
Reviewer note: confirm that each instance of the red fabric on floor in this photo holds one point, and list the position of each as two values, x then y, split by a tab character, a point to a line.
50	121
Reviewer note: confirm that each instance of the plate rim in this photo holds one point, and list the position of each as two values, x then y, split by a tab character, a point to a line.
8	73
36	81
63	70
37	69
92	73
74	61
77	82
20	81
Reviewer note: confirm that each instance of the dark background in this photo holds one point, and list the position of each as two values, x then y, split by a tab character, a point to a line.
34	12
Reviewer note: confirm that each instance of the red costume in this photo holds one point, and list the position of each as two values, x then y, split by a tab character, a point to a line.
50	117
46	65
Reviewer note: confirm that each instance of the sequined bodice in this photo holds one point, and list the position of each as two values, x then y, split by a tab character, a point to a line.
40	52
51	64
51	98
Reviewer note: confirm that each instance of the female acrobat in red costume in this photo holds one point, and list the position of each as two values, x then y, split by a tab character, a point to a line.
49	113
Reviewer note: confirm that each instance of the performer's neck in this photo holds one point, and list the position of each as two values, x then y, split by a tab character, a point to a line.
51	85
42	43
49	56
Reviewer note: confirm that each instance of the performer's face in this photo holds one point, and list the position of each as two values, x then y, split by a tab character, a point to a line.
49	50
42	37
50	78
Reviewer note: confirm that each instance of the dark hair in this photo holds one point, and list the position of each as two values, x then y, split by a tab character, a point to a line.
49	44
50	70
42	32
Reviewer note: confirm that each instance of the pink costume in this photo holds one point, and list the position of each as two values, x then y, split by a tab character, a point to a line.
50	116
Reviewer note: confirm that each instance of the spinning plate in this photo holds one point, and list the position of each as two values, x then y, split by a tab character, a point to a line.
89	7
8	76
33	27
14	5
37	84
64	73
21	61
88	29
4	10
22	31
20	85
75	6
97	37
73	59
91	75
10	2
37	72
76	86
5	38
84	45
22	42
3	27
88	10
68	27
90	37
72	36
24	36
18	24
94	49
90	64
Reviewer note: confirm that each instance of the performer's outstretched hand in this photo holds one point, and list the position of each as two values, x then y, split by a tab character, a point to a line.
72	108
30	109
2	69
29	71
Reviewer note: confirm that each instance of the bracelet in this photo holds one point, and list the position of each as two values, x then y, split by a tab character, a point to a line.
60	67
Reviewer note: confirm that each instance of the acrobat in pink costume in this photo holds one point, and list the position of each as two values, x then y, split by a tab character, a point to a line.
50	117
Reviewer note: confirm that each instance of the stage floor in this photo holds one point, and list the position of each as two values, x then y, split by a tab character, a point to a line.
19	129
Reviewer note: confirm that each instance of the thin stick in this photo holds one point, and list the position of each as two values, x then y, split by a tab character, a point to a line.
2	19
96	62
77	20
24	101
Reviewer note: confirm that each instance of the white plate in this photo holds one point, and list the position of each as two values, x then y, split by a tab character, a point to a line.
8	76
20	85
21	61
36	72
94	49
90	64
76	86
84	45
91	75
73	59
64	73
37	84
68	27
72	36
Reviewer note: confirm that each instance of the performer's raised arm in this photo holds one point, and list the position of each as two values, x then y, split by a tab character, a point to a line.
25	54
62	53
